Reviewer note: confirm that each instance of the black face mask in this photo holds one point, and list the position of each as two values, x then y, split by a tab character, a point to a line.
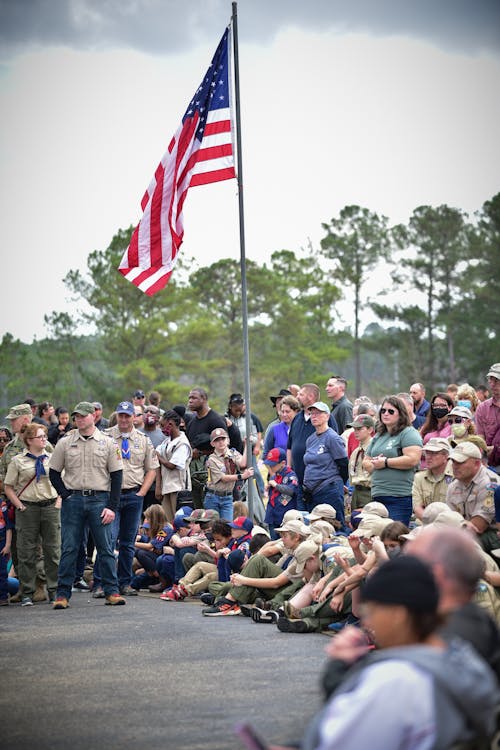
439	411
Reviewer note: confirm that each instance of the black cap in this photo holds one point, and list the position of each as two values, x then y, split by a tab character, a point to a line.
139	394
405	580
283	392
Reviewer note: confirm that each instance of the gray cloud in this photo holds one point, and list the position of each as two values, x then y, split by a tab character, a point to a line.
167	26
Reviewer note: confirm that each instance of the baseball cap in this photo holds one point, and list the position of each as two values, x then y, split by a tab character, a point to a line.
260	530
434	445
243	523
432	511
371	526
295	527
97	405
494	371
320	406
200	515
293	515
236	398
217	433
275	456
322	511
22	410
374	508
464	451
322	527
303	552
461	411
182	515
449	518
363	420
83	409
139	394
125	407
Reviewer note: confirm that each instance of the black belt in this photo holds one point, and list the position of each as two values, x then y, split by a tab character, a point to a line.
220	494
130	490
41	504
86	493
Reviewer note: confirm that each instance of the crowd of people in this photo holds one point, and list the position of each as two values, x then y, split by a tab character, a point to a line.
379	526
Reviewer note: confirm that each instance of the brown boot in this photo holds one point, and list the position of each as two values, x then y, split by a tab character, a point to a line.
157	588
40	594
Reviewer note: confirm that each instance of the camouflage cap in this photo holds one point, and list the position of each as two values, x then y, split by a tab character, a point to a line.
200	515
21	410
83	409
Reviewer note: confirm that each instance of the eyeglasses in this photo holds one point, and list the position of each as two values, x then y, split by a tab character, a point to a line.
40	437
4	440
455	420
388	411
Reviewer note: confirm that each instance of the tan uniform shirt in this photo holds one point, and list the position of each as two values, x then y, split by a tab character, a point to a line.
142	459
87	463
476	498
21	470
429	489
358	476
216	467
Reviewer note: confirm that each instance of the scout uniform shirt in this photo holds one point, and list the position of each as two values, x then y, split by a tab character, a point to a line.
475	498
87	462
14	448
217	466
429	489
142	459
20	475
358	476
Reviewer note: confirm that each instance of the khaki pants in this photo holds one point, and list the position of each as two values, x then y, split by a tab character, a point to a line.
198	577
35	525
169	505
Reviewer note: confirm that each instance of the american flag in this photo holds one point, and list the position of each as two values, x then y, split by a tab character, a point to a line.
200	152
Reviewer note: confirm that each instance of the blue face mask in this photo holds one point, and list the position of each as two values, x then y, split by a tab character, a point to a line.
465	402
393	552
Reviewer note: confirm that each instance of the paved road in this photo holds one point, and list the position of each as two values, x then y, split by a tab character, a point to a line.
149	675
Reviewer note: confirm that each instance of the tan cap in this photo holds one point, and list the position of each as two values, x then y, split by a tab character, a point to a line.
21	410
461	411
371	526
449	518
463	451
434	445
303	552
295	527
217	433
494	371
292	515
374	508
432	511
322	527
322	511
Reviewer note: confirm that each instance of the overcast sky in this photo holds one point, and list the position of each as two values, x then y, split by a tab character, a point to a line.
389	105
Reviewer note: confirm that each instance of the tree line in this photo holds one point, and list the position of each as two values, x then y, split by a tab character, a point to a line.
434	321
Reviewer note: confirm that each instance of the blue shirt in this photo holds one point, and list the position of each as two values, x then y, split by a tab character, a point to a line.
300	430
321	453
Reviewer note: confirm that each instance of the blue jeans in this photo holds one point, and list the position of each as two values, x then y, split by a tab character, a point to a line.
333	494
124	529
75	512
400	508
223	504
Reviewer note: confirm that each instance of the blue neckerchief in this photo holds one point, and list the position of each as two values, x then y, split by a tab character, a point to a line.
125	448
39	467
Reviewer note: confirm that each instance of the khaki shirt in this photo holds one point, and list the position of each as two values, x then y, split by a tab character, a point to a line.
358	476
217	468
476	498
142	459
20	471
429	489
87	463
14	448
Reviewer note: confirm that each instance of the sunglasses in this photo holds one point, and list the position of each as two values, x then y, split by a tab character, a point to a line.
455	420
387	411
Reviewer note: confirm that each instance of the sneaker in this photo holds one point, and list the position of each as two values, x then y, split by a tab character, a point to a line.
246	610
222	608
80	585
207	598
60	602
338	626
264	615
183	592
292	626
26	601
128	591
115	600
262	603
171	595
98	593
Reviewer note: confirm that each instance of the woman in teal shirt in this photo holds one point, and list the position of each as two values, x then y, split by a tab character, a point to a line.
392	459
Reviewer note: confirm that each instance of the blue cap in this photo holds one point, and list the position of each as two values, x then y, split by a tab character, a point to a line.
125	407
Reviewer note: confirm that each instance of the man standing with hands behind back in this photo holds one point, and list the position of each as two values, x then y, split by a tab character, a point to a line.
93	472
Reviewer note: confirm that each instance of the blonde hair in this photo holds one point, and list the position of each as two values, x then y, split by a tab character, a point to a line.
157	519
29	431
467	392
240	509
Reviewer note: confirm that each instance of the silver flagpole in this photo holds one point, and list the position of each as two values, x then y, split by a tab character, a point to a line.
252	490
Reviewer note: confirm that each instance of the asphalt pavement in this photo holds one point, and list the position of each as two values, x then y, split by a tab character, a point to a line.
150	675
